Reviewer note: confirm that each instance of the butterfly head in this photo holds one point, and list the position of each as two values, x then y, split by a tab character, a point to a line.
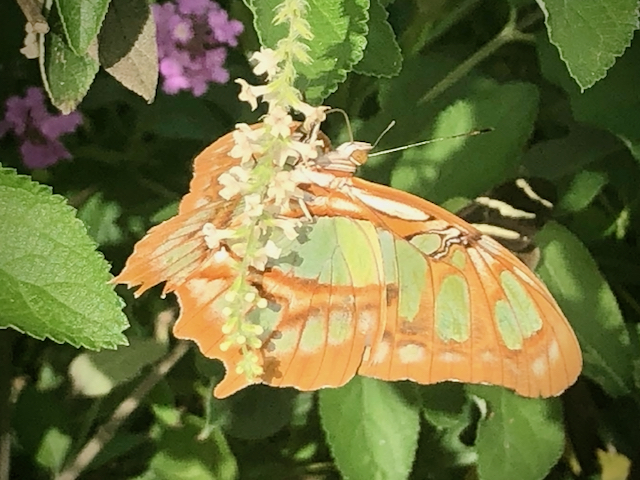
346	158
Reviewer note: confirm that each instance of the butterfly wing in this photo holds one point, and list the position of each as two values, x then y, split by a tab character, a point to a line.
174	250
481	315
382	283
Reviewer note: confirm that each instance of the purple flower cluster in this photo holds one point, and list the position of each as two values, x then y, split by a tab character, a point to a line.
192	36
37	130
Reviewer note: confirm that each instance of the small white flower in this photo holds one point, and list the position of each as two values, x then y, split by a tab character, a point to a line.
271	250
251	93
213	235
282	187
234	182
266	61
305	151
313	115
288	226
253	205
279	121
247	142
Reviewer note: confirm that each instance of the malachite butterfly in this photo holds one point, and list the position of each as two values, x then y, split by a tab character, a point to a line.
379	283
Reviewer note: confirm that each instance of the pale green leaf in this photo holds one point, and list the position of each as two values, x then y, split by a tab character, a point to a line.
53	449
100	216
54	283
81	21
584	186
612	103
469	166
66	75
95	374
372	429
585	297
181	455
590	34
127	46
339	29
382	57
519	437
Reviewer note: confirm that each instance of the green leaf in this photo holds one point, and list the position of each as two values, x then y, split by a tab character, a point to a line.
81	21
382	57
182	456
612	104
468	166
181	116
519	437
573	278
563	156
66	75
339	28
54	283
100	216
449	413
95	374
53	449
584	187
444	403
259	411
127	46
371	427
590	34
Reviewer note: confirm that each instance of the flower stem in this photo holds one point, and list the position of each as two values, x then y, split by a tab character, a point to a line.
509	33
107	431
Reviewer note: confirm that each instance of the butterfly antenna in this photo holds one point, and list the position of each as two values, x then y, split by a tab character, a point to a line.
426	142
384	132
346	117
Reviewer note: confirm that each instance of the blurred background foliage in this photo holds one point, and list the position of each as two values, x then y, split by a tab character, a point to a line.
556	82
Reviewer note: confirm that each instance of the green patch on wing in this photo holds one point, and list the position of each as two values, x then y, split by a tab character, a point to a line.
523	307
453	310
334	250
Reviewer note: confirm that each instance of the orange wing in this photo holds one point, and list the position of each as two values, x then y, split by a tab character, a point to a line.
389	286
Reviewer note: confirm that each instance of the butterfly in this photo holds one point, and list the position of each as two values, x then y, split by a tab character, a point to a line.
379	283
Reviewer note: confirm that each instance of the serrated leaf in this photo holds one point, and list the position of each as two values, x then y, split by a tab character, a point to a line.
100	217
182	456
612	103
339	28
585	297
127	46
81	21
66	75
382	56
469	166
95	374
519	437
372	429
590	34
53	282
